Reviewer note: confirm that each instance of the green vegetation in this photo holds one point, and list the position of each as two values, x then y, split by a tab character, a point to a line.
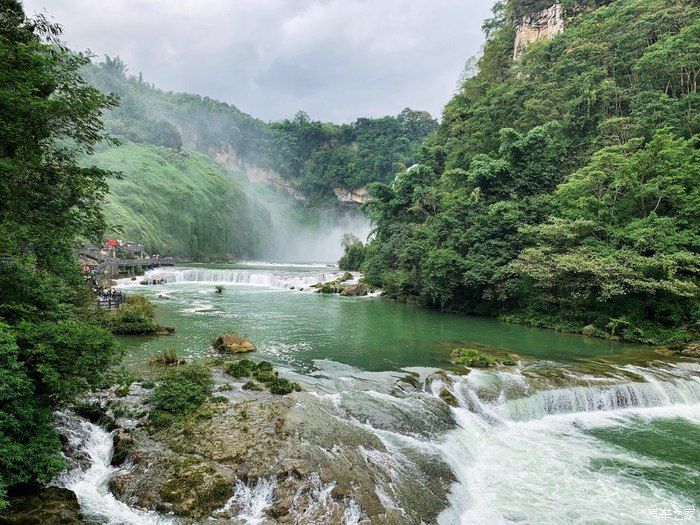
354	253
560	190
133	317
471	357
180	391
476	359
263	372
189	207
50	352
280	386
242	368
166	357
314	156
318	156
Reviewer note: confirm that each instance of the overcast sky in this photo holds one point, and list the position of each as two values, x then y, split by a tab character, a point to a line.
335	59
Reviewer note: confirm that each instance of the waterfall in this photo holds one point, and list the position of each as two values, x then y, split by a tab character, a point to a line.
90	482
601	398
250	502
528	454
272	278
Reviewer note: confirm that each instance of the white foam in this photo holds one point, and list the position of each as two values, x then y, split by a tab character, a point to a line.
239	277
91	485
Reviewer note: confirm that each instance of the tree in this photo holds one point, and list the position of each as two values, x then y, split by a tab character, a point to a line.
49	353
558	190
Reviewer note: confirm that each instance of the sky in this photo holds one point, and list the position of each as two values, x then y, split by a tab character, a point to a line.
335	59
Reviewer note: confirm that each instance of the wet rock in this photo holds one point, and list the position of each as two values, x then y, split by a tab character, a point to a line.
233	343
358	289
448	397
123	444
196	488
691	350
589	330
49	506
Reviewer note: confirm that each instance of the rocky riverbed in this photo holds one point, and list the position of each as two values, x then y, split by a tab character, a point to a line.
246	456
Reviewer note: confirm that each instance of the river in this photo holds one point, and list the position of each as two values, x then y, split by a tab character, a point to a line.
581	430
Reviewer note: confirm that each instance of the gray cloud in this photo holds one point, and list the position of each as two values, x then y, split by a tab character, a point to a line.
335	59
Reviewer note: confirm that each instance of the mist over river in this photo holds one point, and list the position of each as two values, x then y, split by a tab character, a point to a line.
581	430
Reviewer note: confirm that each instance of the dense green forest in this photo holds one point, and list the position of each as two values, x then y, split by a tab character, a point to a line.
561	189
314	156
317	156
185	205
50	351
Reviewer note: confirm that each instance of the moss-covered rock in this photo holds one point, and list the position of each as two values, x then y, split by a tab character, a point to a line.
195	488
233	343
473	358
49	506
448	397
355	290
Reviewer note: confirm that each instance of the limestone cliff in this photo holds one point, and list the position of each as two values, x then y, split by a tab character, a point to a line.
538	26
227	157
351	196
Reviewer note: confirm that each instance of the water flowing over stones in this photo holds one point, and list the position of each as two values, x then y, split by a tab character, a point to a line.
385	448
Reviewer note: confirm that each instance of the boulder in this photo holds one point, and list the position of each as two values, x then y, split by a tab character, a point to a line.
49	506
691	350
589	330
233	343
358	289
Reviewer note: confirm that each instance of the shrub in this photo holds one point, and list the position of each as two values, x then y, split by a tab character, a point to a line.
166	357
182	389
264	366
122	390
252	385
242	368
471	357
265	376
280	386
353	257
134	316
509	360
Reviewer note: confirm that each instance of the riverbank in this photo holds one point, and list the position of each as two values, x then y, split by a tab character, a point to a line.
406	447
384	427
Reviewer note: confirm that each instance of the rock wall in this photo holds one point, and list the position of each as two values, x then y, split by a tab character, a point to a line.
538	26
227	157
350	196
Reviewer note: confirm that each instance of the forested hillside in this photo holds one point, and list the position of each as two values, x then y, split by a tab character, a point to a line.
319	156
181	204
561	189
314	157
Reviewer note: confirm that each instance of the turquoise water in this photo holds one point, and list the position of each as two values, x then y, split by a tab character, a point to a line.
375	334
582	430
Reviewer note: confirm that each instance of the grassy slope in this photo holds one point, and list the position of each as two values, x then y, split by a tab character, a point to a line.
189	207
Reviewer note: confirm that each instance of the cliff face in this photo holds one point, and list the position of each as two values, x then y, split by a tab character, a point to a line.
350	196
538	26
227	157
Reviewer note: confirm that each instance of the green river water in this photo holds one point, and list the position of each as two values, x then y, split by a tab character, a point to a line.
582	430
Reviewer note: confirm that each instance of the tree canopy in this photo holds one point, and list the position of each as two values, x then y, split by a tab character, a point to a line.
49	352
560	189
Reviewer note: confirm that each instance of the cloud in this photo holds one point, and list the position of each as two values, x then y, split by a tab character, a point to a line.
335	59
